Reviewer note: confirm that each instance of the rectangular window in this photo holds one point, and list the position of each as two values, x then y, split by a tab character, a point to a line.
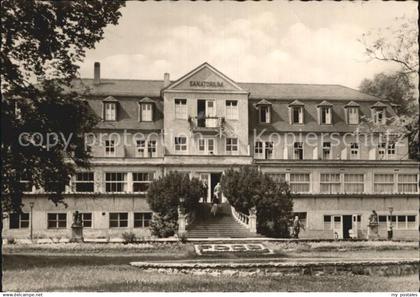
299	182
18	220
142	219
118	219
84	182
407	183
146	112
381	150
383	183
265	116
391	149
326	150
379	116
400	222
151	148
115	182
297	114
87	219
141	181
57	220
354	183
327	223
411	222
181	144
231	145
258	149
298	150
110	111
325	113
353	115
268	150
330	183
354	151
181	109
110	148
140	148
206	145
232	112
278	177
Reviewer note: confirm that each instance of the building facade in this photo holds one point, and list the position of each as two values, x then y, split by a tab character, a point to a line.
312	136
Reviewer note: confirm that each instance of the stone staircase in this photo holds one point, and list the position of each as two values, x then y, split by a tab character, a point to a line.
223	225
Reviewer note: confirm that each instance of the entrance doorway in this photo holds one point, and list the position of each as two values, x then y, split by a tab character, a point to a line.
347	225
211	180
214	179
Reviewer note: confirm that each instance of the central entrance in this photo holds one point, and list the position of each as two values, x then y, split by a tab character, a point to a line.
211	179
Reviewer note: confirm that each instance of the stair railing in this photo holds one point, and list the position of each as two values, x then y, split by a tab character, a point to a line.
249	221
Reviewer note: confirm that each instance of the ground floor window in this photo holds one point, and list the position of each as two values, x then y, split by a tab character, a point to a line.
327	222
57	220
118	219
87	219
18	220
142	219
399	222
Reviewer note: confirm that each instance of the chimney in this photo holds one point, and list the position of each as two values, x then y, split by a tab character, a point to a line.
97	73
166	80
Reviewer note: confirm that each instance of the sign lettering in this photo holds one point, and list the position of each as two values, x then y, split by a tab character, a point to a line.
206	84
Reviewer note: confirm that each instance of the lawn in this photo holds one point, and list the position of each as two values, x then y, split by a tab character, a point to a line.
91	273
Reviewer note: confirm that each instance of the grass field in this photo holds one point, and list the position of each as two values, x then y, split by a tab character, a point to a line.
105	267
90	273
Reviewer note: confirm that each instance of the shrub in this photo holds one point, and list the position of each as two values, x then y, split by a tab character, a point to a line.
183	238
164	196
247	187
129	237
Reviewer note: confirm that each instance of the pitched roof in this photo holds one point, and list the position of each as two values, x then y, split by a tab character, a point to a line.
325	103
263	102
352	104
152	88
146	100
110	99
378	104
296	103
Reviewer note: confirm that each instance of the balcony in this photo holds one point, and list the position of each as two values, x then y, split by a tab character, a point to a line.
207	125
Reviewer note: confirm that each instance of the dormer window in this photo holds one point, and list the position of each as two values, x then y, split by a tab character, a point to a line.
110	109
264	111
146	110
296	112
352	113
378	113
325	113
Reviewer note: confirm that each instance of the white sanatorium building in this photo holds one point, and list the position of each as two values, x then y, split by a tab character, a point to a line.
204	123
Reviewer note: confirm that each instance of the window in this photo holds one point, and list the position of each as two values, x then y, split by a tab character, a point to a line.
231	145
118	219
298	150
299	182
18	220
110	148
180	144
407	183
54	186
399	222
327	223
264	113
206	145
115	182
87	219
140	148
258	149
278	177
391	149
379	115
325	115
232	110
297	114
268	149
57	220
141	181
181	109
146	112
151	148
353	115
330	183
326	150
354	151
383	183
142	219
354	183
84	182
110	111
381	150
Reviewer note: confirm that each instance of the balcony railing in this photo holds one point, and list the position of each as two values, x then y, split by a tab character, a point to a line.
206	124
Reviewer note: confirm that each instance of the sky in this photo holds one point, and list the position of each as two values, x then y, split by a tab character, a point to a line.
277	42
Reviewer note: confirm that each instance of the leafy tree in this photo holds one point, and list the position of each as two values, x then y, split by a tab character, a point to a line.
394	87
169	192
247	188
42	42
